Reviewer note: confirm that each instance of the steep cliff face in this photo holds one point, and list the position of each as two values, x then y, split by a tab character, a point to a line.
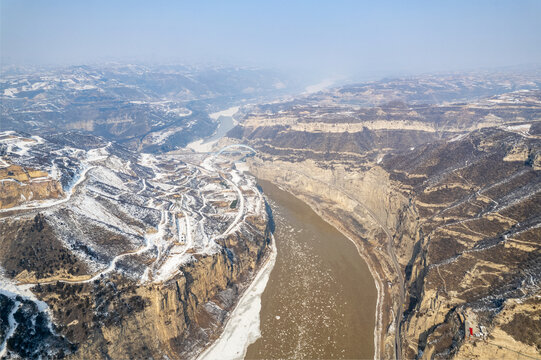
19	184
478	250
361	206
119	318
449	227
132	256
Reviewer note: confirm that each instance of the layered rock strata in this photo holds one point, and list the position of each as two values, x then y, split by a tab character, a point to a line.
447	220
133	256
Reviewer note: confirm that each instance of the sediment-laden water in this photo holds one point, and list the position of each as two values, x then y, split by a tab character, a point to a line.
320	300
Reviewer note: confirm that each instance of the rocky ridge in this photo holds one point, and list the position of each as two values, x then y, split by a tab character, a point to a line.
441	200
108	253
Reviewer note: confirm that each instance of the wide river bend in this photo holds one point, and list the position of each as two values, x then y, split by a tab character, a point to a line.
320	299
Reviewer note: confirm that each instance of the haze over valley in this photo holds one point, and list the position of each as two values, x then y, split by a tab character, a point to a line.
288	180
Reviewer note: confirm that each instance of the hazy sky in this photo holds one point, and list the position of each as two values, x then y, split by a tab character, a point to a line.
329	37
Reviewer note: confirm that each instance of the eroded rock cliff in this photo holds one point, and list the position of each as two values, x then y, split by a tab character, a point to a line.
448	220
113	254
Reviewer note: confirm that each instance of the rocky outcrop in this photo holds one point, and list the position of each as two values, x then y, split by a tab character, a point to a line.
118	318
18	185
140	256
479	221
449	227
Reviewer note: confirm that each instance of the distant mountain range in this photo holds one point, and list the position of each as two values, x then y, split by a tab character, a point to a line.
152	108
437	179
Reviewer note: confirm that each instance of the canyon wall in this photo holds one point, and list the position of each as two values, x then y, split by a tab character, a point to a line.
116	316
364	208
448	222
106	253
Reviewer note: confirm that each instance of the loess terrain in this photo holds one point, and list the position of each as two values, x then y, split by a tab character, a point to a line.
442	199
151	108
109	253
118	242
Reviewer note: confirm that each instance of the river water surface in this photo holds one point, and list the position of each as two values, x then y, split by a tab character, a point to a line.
320	300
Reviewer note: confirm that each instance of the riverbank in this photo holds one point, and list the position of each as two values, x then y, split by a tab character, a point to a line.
350	203
226	123
381	300
242	327
320	299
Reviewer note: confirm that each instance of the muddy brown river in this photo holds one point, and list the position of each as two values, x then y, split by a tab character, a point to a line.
320	300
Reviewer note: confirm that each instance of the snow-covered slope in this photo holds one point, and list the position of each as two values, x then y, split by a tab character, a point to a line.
139	217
